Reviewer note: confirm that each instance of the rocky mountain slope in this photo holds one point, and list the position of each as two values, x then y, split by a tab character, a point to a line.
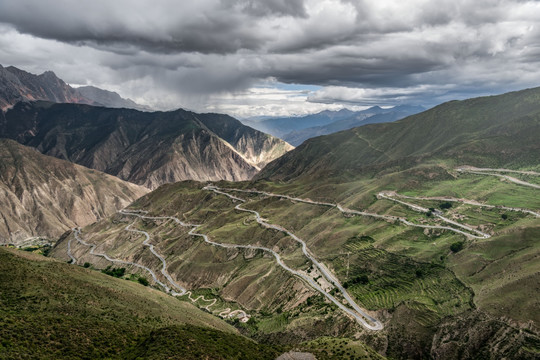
146	148
469	132
43	196
18	85
109	98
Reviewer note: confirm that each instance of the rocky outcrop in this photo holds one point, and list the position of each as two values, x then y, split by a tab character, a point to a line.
42	196
256	147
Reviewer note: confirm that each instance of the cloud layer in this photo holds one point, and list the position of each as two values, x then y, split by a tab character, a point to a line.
209	52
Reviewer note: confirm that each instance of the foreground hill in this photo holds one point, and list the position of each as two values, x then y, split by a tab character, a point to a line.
19	85
43	196
146	148
52	310
488	131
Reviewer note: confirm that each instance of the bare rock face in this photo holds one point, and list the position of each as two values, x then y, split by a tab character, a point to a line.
18	85
42	196
109	98
146	148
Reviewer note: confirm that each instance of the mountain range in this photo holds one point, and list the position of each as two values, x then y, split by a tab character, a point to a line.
295	130
426	228
480	131
19	85
146	148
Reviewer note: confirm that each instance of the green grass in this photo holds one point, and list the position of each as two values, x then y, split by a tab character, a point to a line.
339	348
191	342
52	310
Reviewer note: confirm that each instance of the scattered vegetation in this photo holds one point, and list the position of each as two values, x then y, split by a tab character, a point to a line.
445	205
114	272
457	246
51	310
143	281
361	279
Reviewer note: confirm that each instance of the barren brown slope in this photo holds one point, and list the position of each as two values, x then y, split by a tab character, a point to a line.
146	148
44	196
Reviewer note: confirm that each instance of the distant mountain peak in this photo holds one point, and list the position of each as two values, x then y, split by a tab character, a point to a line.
19	85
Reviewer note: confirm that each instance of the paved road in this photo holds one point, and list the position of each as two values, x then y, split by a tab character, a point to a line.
142	214
468	202
481	235
374	215
359	314
467	168
486	171
70	254
77	233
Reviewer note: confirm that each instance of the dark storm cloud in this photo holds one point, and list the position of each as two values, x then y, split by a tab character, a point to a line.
361	51
293	8
120	25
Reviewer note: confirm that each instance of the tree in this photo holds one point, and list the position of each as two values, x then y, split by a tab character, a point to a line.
445	205
143	281
457	246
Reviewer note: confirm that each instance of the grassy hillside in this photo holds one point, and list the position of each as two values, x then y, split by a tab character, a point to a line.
413	281
52	310
464	292
464	132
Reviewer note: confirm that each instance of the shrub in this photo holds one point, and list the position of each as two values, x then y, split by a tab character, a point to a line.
115	272
143	281
504	216
445	205
87	264
457	246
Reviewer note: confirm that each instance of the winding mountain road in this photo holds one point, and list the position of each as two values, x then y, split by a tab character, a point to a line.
481	235
377	216
77	233
359	314
468	202
142	214
489	171
182	291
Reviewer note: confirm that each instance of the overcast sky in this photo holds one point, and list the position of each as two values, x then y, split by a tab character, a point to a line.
278	57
